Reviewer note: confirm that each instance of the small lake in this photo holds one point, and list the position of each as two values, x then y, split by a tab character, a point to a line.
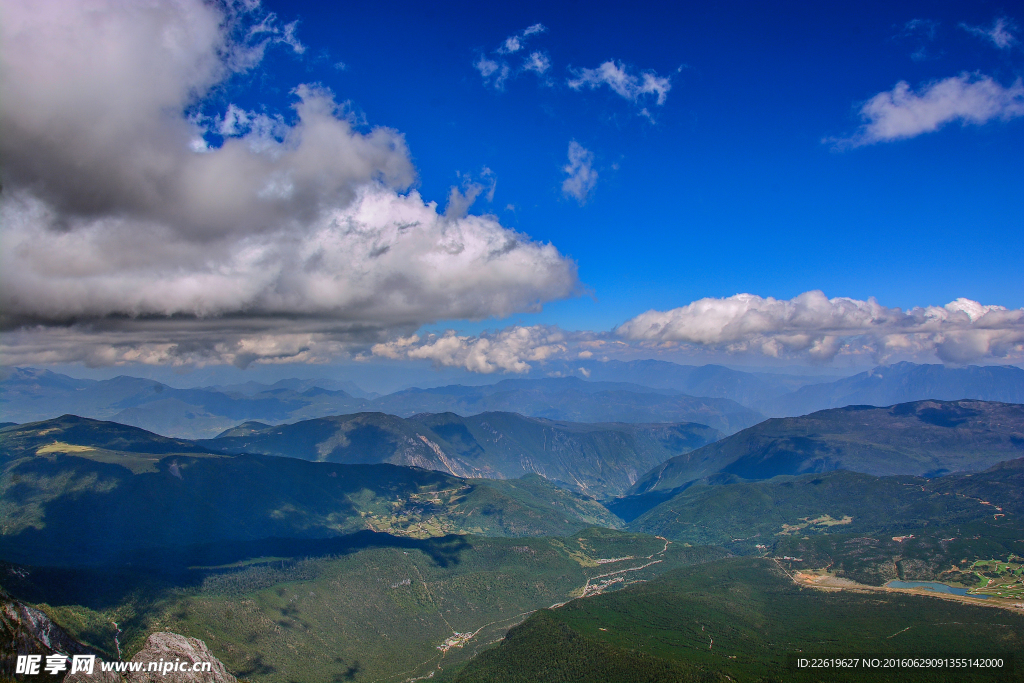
933	586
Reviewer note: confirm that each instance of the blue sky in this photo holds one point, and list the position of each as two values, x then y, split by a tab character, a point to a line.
731	188
751	164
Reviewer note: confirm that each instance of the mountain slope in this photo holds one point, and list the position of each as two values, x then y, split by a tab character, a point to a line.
25	630
921	438
67	508
599	459
72	430
738	620
741	515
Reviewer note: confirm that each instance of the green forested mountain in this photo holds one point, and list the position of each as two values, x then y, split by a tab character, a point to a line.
72	501
16	440
922	438
602	460
365	607
739	620
745	514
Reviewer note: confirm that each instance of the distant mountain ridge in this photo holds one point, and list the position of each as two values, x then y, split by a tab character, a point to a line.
752	389
602	460
919	438
28	395
574	400
613	391
906	382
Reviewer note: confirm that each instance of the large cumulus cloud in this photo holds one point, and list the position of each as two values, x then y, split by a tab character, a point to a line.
116	212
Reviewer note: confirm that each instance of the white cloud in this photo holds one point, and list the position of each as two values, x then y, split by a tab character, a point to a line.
902	113
809	326
821	328
511	44
384	258
537	62
497	71
628	86
581	174
114	207
509	350
1001	33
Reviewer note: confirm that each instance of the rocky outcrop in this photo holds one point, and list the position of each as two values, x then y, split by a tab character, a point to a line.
25	630
165	648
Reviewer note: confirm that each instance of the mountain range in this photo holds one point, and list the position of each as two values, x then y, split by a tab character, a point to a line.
600	459
741	514
903	383
924	438
67	495
586	391
328	551
28	395
789	395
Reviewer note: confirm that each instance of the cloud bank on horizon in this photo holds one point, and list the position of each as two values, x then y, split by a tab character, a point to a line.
126	236
810	326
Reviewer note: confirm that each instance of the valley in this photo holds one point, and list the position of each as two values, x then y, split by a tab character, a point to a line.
374	547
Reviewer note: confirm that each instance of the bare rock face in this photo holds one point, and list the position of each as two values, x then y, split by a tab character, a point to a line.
175	655
25	630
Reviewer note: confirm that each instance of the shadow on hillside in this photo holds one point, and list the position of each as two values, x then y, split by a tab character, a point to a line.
147	575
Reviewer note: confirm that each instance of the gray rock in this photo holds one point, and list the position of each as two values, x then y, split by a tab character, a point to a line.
164	647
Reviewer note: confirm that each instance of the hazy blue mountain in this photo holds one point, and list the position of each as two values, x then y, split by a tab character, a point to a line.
298	385
574	400
785	395
28	395
656	391
920	438
905	382
599	459
752	389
